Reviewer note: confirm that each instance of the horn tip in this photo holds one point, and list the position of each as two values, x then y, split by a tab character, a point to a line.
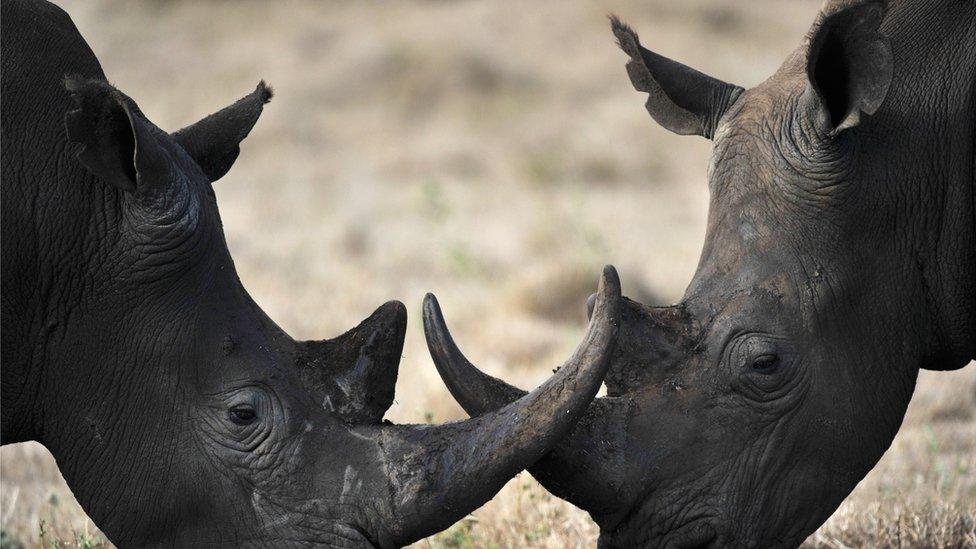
394	306
605	303
610	280
391	313
431	305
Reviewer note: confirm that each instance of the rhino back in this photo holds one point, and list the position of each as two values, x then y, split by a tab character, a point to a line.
51	207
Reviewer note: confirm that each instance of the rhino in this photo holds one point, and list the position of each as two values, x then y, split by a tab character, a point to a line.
839	260
179	413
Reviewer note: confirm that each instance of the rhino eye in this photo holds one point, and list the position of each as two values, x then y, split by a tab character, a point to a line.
765	364
243	415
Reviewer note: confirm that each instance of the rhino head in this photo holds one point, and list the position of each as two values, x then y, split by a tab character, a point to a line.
181	414
743	415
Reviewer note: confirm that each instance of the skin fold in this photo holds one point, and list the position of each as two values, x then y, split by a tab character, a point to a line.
178	412
839	260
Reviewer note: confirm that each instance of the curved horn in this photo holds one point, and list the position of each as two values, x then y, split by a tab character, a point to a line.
440	473
476	391
584	467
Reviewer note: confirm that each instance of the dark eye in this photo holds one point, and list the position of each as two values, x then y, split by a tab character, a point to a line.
765	364
243	415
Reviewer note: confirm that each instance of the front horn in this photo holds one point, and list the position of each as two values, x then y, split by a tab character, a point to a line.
439	473
581	467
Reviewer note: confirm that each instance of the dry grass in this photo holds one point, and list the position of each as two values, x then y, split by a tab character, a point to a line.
493	153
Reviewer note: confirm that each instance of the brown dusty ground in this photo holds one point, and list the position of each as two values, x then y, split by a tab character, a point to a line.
495	154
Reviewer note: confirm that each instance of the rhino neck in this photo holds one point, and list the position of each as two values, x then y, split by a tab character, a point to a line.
922	156
53	212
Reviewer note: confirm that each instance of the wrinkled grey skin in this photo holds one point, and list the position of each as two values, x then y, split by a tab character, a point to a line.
839	260
179	414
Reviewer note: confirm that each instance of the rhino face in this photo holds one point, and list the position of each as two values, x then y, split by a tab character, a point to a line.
743	415
210	425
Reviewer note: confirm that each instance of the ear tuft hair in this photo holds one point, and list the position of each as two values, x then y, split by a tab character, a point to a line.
266	92
627	38
214	142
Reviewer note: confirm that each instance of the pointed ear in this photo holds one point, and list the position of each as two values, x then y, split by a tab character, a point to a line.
214	142
119	145
681	99
849	64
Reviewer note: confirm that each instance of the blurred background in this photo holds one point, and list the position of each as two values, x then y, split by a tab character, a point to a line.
493	153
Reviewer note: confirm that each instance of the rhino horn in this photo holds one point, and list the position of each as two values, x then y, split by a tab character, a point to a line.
478	392
369	357
584	468
442	471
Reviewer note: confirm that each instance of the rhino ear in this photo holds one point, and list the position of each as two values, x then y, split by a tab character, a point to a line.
214	142
681	99
119	143
849	64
